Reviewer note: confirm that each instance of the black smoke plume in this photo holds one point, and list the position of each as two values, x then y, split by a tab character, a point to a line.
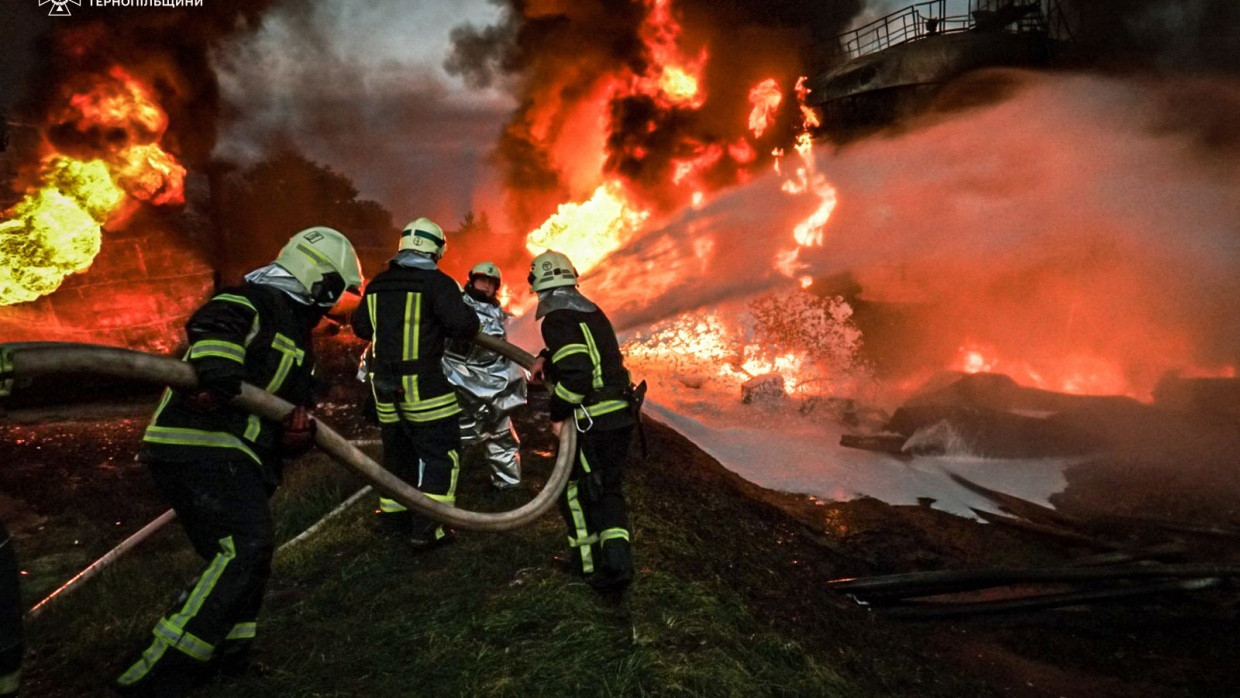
167	48
556	54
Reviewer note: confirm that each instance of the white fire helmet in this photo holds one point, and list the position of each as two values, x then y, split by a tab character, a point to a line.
324	261
424	235
551	269
487	269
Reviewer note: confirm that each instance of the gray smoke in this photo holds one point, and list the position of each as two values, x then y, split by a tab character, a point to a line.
359	89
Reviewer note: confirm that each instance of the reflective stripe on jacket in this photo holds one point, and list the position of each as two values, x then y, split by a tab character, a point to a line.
587	368
407	313
250	333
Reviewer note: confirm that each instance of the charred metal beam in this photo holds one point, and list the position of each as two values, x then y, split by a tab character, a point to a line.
1060	534
929	611
947	581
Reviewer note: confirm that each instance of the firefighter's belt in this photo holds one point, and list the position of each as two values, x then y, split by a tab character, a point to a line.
406	368
635	395
609	392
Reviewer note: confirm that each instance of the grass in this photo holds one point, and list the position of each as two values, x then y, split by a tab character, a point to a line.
728	601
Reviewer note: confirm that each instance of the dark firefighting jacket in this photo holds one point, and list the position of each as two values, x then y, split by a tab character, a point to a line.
10	617
585	363
407	313
252	333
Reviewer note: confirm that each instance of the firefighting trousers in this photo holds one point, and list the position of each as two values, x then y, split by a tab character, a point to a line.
593	503
10	617
427	456
495	441
223	507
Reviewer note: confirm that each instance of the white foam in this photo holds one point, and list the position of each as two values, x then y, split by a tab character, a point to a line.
781	450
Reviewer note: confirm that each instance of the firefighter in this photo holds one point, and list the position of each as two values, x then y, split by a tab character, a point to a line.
488	386
594	395
407	312
10	618
217	464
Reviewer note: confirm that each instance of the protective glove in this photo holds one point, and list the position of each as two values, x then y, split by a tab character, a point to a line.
206	400
538	373
299	430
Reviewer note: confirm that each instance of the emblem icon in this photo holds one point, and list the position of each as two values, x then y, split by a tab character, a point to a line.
60	8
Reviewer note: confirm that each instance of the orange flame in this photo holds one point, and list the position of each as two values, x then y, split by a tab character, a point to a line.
817	352
671	77
1077	374
765	98
56	229
804	178
125	106
741	152
512	299
589	231
702	160
122	103
705	346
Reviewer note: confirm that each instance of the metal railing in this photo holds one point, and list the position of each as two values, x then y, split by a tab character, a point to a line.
930	18
913	22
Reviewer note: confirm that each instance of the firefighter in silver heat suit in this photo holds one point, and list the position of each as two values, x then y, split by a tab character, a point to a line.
488	386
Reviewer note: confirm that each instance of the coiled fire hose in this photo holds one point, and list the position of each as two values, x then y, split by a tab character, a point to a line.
23	361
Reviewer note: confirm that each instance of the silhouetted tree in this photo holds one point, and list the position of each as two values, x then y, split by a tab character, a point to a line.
261	206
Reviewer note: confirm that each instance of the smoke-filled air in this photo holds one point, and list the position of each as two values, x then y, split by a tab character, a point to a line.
1079	236
1073	229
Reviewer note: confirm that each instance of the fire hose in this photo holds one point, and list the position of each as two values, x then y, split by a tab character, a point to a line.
24	361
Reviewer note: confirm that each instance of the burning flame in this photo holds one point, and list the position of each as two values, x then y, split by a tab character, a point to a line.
765	98
811	342
686	172
705	347
671	76
1077	374
806	178
713	344
123	105
588	231
507	301
56	229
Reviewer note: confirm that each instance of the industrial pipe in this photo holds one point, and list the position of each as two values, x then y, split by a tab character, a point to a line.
28	360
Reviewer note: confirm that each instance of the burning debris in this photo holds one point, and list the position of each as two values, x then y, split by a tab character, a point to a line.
781	343
766	389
